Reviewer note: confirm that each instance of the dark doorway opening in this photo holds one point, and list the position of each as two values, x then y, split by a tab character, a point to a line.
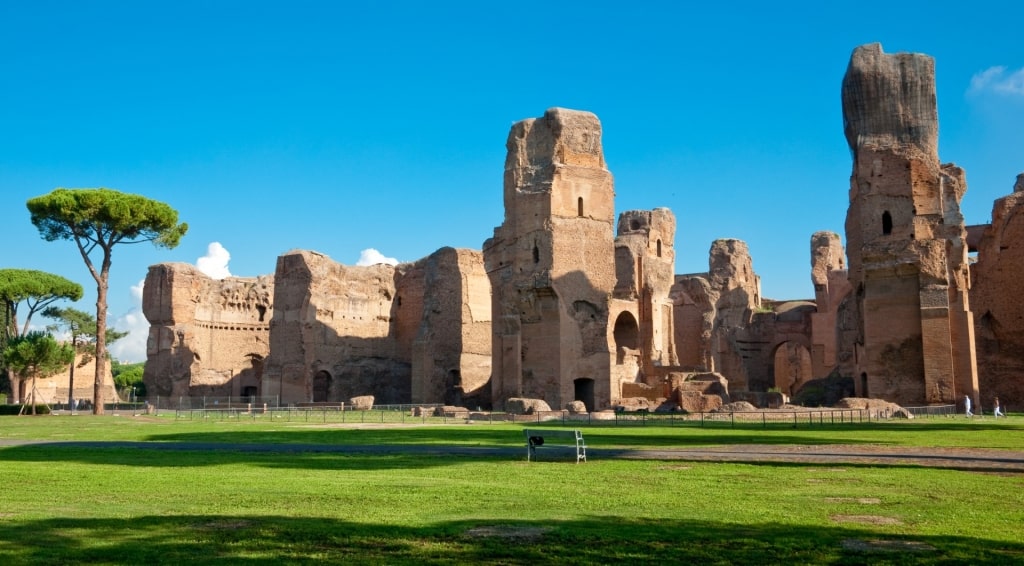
321	387
583	390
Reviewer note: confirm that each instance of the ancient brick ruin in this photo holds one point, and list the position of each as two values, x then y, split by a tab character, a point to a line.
998	308
567	303
578	311
905	235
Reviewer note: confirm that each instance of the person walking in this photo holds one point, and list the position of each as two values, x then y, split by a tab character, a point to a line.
997	411
967	406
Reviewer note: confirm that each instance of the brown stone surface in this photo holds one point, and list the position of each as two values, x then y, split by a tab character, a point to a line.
878	408
577	313
905	235
834	324
575	407
713	309
521	406
206	336
451	348
416	332
998	307
695	402
361	402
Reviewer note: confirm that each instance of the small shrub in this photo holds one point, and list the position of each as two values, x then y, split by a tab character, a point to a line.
15	409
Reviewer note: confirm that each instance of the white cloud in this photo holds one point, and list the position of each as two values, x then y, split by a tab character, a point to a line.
371	256
131	348
998	80
215	262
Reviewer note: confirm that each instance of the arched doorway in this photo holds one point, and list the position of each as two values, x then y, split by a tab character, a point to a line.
321	387
792	364
453	388
627	337
583	390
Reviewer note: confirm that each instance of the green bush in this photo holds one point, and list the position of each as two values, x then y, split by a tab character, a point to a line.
15	409
128	376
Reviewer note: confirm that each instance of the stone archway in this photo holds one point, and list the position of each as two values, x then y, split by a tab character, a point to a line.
627	338
792	364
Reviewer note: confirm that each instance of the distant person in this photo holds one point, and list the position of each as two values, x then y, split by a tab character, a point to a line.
997	411
967	406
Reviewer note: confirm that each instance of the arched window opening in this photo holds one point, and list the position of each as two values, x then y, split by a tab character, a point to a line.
579	207
792	367
886	223
536	253
659	248
627	337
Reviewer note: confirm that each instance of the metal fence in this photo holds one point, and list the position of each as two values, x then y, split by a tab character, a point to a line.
932	411
269	409
420	414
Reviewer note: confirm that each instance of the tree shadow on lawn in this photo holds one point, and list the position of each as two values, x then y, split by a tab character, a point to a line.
172	456
272	539
503	437
596	435
369	458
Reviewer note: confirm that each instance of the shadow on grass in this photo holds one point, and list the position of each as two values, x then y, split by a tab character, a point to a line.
277	456
406	457
597	435
225	539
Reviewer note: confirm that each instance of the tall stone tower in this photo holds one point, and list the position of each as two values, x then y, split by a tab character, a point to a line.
551	264
905	235
641	309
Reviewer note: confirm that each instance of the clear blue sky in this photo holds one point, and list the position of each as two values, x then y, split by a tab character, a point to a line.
341	126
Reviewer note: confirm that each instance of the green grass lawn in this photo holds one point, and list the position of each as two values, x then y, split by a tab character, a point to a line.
130	505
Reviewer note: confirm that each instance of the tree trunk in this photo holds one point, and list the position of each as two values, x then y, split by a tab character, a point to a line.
33	393
71	371
101	334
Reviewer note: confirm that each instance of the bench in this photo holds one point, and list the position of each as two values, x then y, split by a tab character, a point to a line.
536	437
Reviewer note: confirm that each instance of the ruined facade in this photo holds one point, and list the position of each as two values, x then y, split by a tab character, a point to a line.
834	323
319	331
905	236
568	303
416	332
998	308
578	310
206	336
713	307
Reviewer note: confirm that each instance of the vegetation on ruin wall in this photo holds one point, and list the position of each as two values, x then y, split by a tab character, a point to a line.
122	505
